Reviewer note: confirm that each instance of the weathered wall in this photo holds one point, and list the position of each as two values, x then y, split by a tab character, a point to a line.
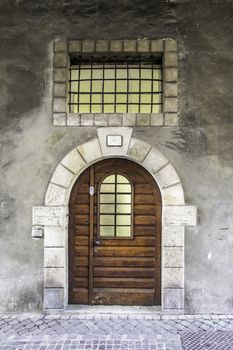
200	149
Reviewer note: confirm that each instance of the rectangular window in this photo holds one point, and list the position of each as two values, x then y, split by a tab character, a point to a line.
118	87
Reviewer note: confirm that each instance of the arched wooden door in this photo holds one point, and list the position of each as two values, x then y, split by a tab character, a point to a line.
115	236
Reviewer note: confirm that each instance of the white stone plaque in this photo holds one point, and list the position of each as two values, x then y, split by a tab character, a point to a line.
114	141
49	216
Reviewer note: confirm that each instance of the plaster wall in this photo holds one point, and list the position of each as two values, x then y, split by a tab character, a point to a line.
200	148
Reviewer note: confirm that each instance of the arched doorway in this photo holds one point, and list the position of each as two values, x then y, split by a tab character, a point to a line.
115	212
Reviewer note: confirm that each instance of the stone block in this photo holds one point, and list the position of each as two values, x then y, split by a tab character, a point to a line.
62	176
170	59
156	119
55	195
54	236
116	46
59	90
170	74
49	216
129	119
138	149
102	46
60	45
129	46
60	60
173	236
180	215
101	119
59	105
118	131
171	119
170	90
173	277
170	45
54	257
73	161
88	46
115	119
157	45
143	45
87	119
167	176
73	119
60	75
170	104
173	298
143	119
54	277
173	257
75	46
173	195
53	298
59	119
155	160
90	150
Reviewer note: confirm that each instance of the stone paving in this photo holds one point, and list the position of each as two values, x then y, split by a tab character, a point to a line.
116	331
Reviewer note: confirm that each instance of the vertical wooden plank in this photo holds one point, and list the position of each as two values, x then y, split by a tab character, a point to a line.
91	234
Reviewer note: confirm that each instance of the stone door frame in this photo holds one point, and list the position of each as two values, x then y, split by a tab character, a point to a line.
52	218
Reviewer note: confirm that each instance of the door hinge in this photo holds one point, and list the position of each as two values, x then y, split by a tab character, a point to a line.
91	190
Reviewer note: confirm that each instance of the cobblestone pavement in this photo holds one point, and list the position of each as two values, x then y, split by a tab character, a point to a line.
116	331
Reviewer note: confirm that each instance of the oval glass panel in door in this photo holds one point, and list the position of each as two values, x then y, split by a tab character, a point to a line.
115	207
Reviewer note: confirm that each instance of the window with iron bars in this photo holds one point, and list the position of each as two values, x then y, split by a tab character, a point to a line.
115	86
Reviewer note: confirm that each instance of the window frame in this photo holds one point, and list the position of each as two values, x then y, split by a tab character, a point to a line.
98	208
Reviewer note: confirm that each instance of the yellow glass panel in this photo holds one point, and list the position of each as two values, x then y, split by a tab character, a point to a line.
107	188
121	73
84	109
146	73
74	86
109	179
133	109
121	98
108	209
146	86
123	231
97	86
134	73
124	188
106	231
109	73
157	86
107	219
146	98
107	198
85	72
96	98
109	86
123	209
145	109
84	86
108	109
123	219
121	86
157	73
123	198
156	109
96	108
121	109
134	98
109	98
134	85
74	73
97	73
84	98
122	179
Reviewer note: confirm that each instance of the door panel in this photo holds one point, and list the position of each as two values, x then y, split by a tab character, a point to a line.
116	270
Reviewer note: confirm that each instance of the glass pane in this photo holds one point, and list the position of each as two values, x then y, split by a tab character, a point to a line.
109	86
121	98
157	109
124	198
133	98
96	108
108	109
106	219
134	85
97	73
134	73
109	98
123	220
133	109
74	73
109	73
122	179
124	208
97	86
107	188
84	109
107	198
85	72
121	86
146	98
124	188
121	109
121	73
146	74
106	231
123	231
109	179
145	109
146	86
107	209
84	98
84	86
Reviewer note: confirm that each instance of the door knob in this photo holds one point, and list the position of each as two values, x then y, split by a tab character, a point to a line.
97	242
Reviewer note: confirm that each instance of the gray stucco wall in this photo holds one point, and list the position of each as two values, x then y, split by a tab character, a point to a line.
200	149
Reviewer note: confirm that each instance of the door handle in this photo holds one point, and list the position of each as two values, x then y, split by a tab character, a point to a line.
97	242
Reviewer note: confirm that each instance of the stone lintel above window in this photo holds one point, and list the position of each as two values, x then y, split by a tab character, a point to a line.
66	51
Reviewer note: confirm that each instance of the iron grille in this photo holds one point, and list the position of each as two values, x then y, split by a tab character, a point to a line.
118	87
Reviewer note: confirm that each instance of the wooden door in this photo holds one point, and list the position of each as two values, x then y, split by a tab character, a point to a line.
114	236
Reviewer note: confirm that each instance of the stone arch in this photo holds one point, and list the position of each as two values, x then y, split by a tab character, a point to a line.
52	217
